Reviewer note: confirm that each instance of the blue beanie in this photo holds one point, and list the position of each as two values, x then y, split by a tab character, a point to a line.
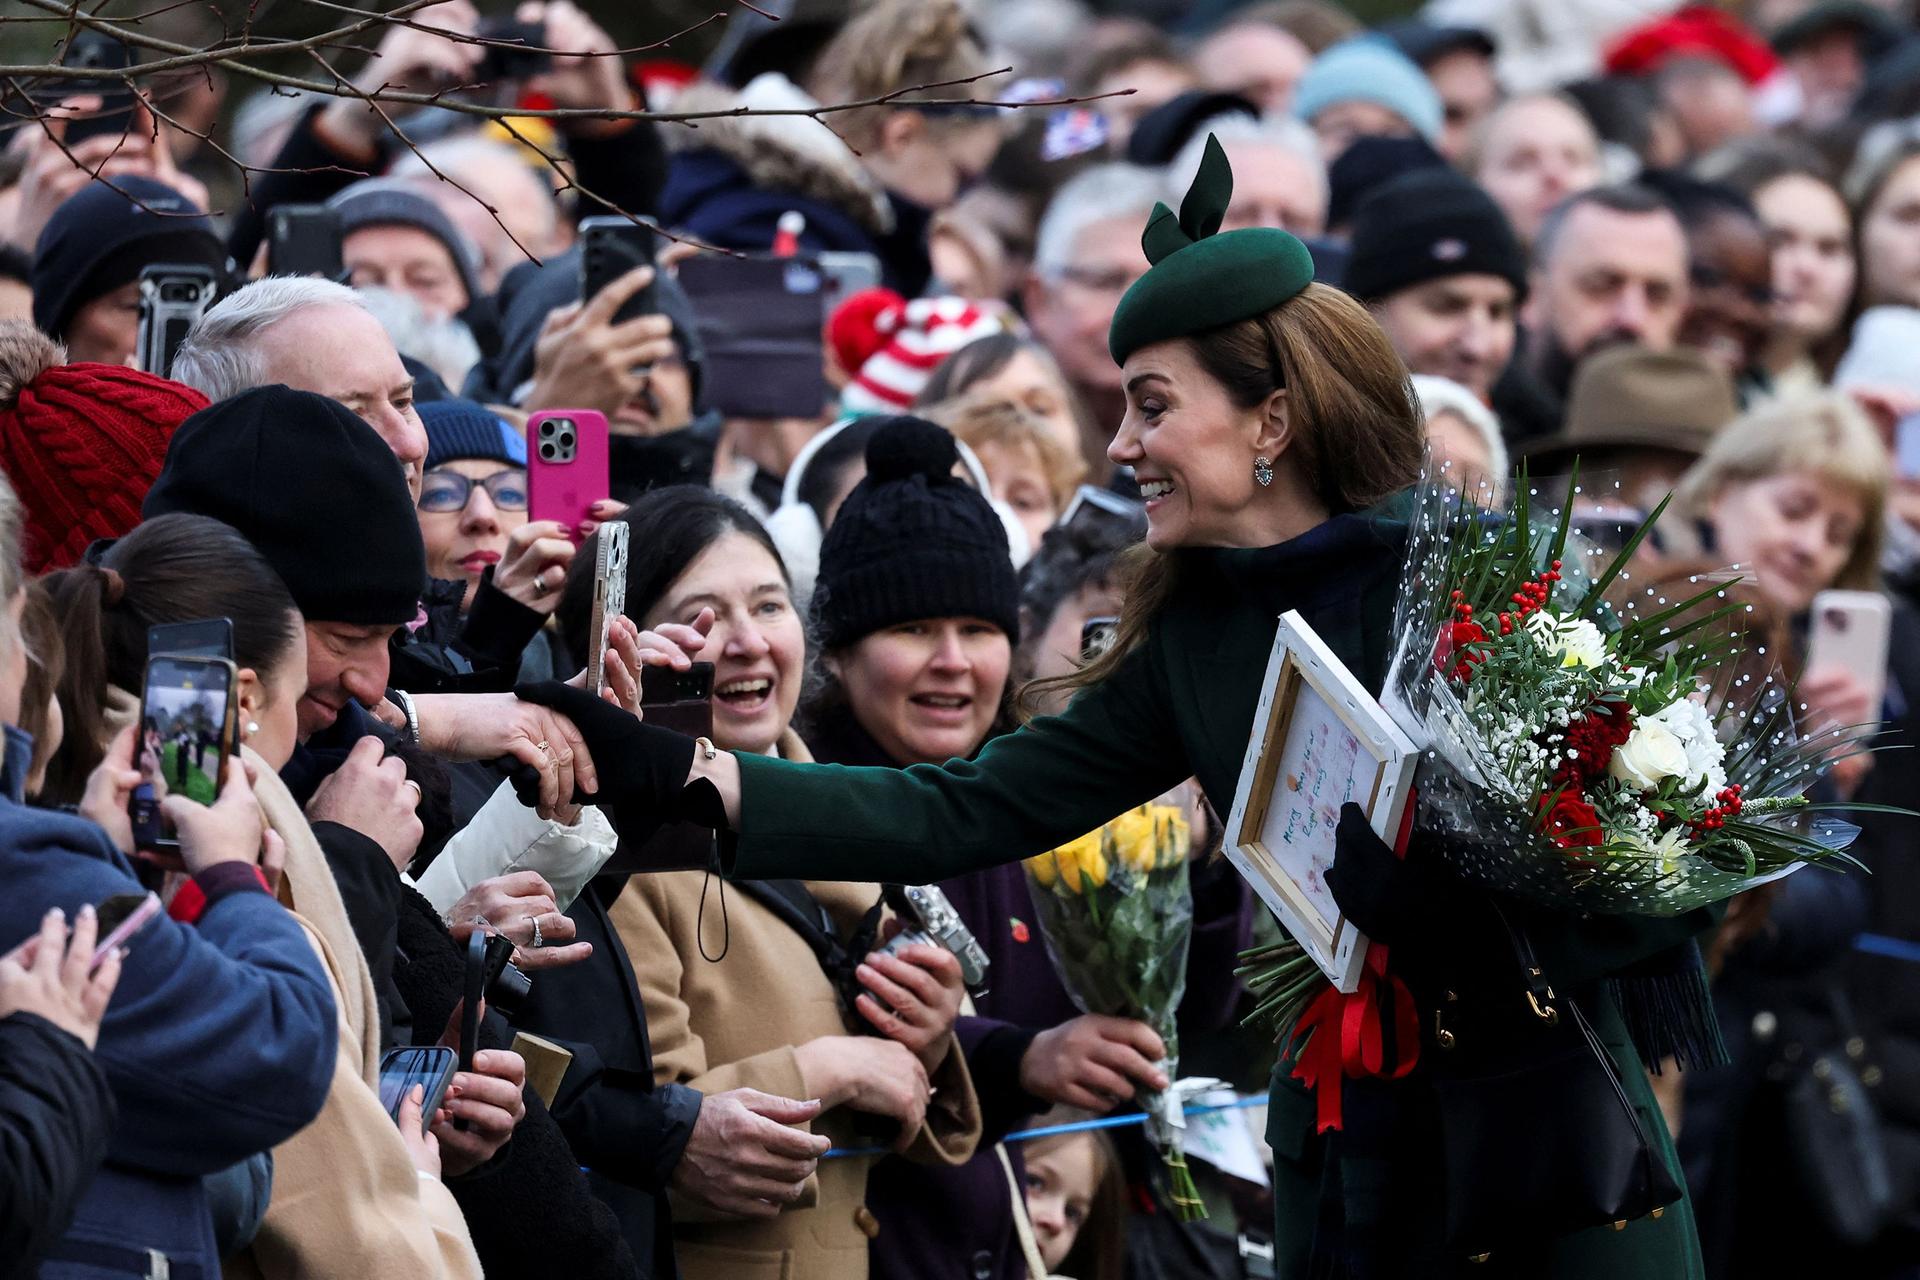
1369	69
459	429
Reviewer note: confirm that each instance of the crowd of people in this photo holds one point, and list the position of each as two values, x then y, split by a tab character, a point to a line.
1671	250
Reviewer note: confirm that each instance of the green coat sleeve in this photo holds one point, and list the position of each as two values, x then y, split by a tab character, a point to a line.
1055	779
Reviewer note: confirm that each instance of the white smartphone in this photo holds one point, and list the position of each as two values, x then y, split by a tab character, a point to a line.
609	597
1850	630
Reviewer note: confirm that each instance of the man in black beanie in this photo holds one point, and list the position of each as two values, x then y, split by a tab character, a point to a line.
86	264
1438	264
283	467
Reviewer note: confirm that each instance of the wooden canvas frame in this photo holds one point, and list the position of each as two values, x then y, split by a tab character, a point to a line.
1379	784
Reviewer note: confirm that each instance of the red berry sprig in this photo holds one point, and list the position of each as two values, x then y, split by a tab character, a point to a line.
1530	598
1727	804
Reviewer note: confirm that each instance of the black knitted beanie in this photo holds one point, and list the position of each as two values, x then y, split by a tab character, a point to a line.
913	541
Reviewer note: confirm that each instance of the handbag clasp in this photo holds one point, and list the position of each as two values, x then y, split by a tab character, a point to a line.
1545	1012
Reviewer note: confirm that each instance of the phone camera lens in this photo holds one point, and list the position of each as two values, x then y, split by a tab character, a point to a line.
547	451
566	439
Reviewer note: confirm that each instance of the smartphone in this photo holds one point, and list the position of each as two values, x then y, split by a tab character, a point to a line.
1097	636
429	1065
682	701
1851	630
185	737
1094	511
304	240
762	322
611	246
173	297
609	597
122	916
97	51
201	638
474	992
847	272
502	61
567	470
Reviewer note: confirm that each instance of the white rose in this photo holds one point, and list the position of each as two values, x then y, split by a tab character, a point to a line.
1650	755
1575	641
1690	722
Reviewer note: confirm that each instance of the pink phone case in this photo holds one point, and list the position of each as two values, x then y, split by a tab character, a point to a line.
559	488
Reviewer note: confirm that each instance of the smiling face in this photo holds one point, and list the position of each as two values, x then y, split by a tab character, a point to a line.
345	663
463	542
1191	449
927	691
272	700
757	646
1792	532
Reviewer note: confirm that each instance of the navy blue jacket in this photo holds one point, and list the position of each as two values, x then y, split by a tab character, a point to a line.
220	1040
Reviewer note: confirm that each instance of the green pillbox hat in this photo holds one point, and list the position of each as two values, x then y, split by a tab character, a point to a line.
1201	279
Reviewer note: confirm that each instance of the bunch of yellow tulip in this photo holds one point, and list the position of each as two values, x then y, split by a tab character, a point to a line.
1140	840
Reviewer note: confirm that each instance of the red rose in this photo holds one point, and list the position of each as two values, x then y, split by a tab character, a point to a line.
1569	821
1455	638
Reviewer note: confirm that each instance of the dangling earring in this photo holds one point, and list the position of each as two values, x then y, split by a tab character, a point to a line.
1262	472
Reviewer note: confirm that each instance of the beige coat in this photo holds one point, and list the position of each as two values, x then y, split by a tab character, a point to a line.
735	1023
346	1198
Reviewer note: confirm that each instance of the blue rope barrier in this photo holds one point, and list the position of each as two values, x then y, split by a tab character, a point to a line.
1879	944
1078	1126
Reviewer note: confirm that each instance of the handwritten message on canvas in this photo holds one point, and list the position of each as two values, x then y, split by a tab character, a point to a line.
1322	766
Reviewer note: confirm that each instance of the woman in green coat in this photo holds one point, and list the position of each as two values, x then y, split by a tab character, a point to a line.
1268	422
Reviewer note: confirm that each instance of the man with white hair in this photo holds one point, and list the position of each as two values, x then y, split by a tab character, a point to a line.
1279	179
315	335
1086	255
312	335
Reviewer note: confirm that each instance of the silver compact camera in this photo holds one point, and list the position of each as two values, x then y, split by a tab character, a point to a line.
927	918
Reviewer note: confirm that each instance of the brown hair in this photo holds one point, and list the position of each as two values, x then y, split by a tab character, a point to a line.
1100	1249
976	422
1824	435
173	568
40	636
1359	432
897	45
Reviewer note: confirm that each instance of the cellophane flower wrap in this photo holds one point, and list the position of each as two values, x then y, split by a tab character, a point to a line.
1116	909
1589	743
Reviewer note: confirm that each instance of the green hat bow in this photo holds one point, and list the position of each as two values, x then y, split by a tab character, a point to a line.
1202	278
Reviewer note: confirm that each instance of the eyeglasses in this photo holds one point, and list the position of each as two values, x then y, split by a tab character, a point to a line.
451	491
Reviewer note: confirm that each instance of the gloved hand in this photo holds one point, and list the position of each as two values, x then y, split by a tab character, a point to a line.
1384	896
643	768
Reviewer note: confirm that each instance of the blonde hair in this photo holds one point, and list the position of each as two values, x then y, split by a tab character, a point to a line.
1825	435
12	580
1002	422
893	46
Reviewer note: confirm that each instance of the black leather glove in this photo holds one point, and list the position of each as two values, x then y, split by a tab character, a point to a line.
642	767
1383	896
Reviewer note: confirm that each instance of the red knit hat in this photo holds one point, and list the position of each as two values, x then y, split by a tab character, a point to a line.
82	443
892	346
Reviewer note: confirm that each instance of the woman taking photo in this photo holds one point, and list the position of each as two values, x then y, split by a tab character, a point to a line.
1267	420
736	996
178	568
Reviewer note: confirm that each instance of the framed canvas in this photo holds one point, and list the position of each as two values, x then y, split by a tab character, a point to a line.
1319	740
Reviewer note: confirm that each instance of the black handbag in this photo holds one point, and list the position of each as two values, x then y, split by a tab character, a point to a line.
1539	1135
1833	1131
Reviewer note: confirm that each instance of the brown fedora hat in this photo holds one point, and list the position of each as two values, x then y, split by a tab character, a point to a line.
1628	397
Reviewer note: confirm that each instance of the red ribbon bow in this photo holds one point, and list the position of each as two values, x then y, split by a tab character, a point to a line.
1345	1032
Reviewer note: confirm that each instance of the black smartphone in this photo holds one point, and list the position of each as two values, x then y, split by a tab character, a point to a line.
97	51
662	689
304	240
173	297
1094	512
681	701
1097	636
201	638
185	738
505	62
611	246
474	990
429	1065
762	322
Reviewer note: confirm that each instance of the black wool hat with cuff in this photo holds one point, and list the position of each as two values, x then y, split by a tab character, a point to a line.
913	541
1425	226
315	490
100	238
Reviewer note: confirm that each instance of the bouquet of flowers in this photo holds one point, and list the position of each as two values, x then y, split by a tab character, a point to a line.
1117	912
1589	744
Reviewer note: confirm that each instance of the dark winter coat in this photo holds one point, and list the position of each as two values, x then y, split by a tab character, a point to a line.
56	1118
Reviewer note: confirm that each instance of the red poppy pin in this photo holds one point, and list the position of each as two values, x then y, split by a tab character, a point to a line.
1020	931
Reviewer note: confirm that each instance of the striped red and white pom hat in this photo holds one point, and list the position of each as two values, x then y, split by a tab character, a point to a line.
892	346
